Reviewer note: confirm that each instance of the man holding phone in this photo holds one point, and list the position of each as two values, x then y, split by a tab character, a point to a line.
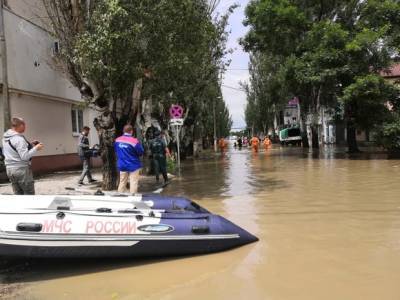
18	153
85	154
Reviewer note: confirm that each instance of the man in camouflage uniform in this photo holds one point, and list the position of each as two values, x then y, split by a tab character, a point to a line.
159	151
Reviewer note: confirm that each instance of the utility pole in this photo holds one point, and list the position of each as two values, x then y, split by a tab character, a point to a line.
178	132
214	112
215	128
5	101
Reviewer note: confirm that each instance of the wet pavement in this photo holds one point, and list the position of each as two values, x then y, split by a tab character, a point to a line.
328	223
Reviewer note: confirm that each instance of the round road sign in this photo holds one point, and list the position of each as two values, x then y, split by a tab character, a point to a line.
176	111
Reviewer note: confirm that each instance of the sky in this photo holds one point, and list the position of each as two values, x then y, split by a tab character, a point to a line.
236	100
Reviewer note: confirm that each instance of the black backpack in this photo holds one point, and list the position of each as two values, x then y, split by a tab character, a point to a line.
157	147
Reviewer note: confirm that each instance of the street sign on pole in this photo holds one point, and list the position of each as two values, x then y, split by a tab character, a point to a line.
176	111
177	129
176	122
215	128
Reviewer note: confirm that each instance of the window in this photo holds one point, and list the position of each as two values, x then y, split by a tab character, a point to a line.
77	120
56	48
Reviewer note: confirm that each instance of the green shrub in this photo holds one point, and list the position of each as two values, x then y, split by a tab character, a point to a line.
389	135
171	165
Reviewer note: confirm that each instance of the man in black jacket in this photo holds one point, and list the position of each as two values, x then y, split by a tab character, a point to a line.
85	154
159	152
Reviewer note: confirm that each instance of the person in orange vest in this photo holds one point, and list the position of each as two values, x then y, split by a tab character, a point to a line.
267	143
255	142
222	145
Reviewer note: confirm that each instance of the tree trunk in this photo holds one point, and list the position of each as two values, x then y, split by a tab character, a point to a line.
147	109
265	129
314	137
315	127
109	170
105	127
136	108
197	141
303	130
351	138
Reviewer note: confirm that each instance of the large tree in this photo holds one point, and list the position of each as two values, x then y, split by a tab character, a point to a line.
131	59
264	93
324	47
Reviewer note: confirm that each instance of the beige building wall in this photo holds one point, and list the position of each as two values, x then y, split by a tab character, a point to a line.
30	60
48	121
31	10
39	92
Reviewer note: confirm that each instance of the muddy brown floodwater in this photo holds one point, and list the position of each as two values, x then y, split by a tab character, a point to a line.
329	228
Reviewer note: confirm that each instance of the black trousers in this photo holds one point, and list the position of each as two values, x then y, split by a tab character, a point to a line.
160	166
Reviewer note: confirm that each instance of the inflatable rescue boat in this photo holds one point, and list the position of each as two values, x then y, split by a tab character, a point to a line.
106	226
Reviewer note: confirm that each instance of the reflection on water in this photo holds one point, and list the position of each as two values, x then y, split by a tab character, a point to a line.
329	228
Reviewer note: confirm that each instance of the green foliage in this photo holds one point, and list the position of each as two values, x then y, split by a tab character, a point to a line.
324	51
388	134
171	165
276	26
367	100
101	49
223	119
110	44
264	93
131	59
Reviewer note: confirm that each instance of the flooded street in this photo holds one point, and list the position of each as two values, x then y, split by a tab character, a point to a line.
329	228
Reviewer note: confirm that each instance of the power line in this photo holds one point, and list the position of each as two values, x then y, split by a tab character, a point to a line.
234	88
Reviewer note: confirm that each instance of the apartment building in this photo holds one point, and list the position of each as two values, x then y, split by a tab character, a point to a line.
37	90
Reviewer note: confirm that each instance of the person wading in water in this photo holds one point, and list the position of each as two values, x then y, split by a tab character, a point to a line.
159	151
222	145
267	143
255	142
240	143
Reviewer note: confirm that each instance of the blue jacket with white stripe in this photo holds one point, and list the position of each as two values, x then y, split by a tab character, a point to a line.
128	150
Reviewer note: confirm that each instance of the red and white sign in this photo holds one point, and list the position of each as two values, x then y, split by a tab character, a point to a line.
91	227
176	122
176	111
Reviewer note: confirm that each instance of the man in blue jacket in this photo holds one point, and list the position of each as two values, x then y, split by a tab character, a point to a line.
128	150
